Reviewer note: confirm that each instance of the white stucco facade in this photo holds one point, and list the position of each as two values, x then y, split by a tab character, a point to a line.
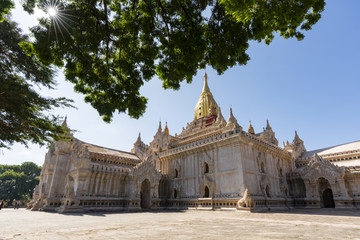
212	164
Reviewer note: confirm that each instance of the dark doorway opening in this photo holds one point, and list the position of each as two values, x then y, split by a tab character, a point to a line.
328	198
207	193
145	194
326	194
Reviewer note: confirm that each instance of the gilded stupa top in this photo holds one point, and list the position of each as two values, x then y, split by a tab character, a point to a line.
206	105
251	129
166	129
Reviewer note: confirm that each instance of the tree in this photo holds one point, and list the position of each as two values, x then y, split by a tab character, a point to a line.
32	172
24	113
109	48
18	181
15	168
267	17
12	185
30	169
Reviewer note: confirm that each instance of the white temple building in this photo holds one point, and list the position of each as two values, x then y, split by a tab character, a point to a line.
212	164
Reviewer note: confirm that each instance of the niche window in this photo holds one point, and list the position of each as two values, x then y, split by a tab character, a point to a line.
262	167
176	173
206	193
206	168
267	190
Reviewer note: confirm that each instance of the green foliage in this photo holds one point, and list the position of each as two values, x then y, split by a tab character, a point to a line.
266	17
109	48
5	7
15	168
18	181
24	113
30	169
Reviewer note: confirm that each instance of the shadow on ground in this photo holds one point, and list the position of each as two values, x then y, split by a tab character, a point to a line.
319	211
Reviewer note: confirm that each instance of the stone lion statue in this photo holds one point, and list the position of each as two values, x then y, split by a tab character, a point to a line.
245	201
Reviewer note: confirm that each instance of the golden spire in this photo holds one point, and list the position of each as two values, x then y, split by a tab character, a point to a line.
166	129
206	87
251	129
206	102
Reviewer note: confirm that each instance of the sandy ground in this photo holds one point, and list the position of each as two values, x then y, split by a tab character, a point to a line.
295	224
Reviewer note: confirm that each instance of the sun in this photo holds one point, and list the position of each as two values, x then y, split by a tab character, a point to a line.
57	16
52	11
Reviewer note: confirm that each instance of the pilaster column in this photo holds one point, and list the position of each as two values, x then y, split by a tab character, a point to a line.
343	191
98	183
91	183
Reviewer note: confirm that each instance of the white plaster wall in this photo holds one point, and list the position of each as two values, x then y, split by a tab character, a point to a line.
250	168
232	167
229	174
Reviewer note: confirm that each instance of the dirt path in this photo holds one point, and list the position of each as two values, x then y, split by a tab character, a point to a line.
297	224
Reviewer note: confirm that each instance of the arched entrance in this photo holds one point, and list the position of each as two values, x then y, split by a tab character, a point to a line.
326	195
328	198
145	194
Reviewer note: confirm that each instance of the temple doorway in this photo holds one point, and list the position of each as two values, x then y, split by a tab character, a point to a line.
145	194
326	194
328	199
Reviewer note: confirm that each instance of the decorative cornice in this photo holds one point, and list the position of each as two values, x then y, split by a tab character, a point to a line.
112	158
344	153
268	146
221	137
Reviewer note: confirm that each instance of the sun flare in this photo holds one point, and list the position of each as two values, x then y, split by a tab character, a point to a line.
52	11
58	17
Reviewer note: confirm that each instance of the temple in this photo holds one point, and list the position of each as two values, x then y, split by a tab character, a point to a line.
212	164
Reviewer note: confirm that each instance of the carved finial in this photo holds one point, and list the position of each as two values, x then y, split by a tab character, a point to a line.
297	146
232	122
317	158
166	129
297	138
267	124
251	129
67	130
206	87
231	116
64	124
138	139
220	117
159	129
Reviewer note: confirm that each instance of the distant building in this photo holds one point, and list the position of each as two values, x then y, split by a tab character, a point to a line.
211	164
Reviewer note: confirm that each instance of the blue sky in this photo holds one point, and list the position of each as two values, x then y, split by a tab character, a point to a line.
311	86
